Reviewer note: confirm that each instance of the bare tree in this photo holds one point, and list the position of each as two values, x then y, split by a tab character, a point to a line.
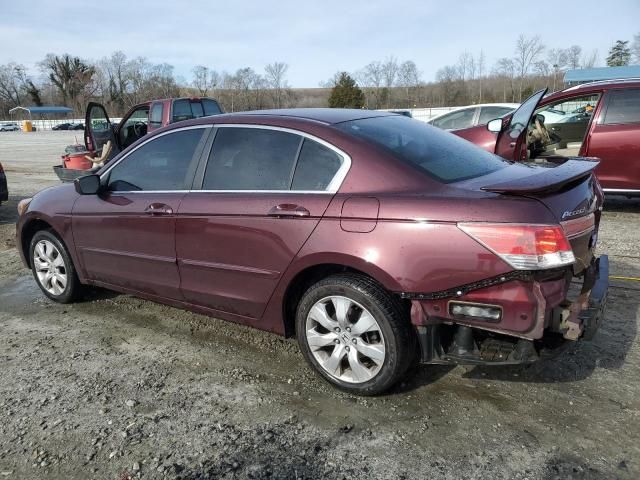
480	64
13	81
591	60
72	77
635	48
528	50
389	76
372	78
408	79
574	54
201	79
506	68
275	76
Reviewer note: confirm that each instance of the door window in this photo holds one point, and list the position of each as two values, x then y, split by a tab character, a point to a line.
456	120
251	159
163	164
624	107
155	118
211	107
316	167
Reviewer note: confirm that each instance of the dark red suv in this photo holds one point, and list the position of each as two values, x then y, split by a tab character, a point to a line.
600	119
373	237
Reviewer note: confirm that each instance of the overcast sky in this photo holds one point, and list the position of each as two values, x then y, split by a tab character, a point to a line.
316	38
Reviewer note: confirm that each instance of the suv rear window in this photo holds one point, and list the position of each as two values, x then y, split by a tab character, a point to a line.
624	107
441	155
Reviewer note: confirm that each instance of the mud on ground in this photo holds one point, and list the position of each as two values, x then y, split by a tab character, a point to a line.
115	387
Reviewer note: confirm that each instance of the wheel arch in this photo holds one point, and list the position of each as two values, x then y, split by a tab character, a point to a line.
28	230
312	272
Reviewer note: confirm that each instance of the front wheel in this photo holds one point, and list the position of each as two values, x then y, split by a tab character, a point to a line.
355	334
52	267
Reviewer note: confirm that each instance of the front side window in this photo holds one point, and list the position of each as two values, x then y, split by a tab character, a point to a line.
211	107
490	113
163	164
624	107
456	120
134	127
441	155
251	159
182	110
570	110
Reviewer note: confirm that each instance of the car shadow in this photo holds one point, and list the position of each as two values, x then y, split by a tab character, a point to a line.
618	203
9	210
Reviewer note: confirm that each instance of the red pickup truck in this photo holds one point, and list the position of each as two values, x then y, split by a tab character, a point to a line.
141	119
599	119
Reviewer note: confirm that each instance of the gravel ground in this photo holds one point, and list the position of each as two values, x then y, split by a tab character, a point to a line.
115	387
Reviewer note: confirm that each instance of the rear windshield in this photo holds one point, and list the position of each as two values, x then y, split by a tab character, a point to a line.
440	154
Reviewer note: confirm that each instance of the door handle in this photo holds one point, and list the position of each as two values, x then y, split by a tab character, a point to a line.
512	144
288	210
158	209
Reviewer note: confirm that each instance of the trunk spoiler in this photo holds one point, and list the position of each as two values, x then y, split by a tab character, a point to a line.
547	179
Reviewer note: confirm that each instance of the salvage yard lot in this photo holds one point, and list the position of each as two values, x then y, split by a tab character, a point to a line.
117	387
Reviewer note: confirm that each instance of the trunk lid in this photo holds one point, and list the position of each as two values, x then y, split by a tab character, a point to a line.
569	190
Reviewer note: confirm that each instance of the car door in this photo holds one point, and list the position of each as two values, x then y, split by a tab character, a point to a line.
263	192
615	140
512	139
125	235
98	130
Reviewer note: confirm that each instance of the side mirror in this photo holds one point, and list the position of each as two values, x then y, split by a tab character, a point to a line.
495	125
87	184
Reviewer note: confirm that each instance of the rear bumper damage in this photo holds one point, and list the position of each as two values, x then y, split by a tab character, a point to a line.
529	316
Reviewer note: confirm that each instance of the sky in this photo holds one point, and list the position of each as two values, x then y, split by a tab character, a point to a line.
315	38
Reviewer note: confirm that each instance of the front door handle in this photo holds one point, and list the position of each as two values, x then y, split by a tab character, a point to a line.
158	209
288	210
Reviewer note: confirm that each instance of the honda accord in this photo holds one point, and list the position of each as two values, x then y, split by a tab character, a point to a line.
375	239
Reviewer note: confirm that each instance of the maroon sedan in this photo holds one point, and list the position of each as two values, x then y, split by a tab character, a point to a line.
374	238
599	119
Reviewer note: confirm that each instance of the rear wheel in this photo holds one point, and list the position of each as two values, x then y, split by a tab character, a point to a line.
52	267
354	333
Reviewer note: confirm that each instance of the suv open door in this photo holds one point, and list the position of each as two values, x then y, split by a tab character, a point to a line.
98	130
512	134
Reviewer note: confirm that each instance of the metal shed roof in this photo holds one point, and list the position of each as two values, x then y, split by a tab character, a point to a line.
48	109
604	73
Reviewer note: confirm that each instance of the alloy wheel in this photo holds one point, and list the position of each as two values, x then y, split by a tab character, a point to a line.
50	267
345	339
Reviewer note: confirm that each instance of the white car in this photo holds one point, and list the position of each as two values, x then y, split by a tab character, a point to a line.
472	115
9	127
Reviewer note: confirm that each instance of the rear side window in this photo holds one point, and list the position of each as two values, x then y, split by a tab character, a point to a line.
155	118
251	159
624	107
165	163
316	167
456	120
439	154
197	110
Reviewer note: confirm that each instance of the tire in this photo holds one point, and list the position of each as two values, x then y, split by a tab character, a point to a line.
339	340
53	268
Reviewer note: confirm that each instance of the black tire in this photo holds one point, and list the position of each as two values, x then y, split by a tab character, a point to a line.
398	334
73	285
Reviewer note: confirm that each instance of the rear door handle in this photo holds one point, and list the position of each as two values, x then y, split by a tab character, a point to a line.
158	209
288	210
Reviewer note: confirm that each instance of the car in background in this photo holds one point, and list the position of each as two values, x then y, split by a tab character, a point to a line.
465	117
140	120
598	119
4	190
374	238
9	127
68	126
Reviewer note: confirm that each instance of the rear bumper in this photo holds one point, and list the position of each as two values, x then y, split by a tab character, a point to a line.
538	317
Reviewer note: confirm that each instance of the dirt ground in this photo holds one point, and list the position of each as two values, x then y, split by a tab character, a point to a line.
115	387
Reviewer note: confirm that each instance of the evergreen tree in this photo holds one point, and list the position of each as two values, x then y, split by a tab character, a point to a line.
346	94
619	55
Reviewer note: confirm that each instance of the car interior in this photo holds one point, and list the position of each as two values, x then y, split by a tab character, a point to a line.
135	127
559	129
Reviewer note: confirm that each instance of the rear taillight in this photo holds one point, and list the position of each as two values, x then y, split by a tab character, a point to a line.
524	247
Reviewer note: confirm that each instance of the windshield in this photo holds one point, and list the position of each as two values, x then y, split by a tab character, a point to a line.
440	154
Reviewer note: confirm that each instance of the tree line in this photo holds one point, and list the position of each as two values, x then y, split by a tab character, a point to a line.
120	82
